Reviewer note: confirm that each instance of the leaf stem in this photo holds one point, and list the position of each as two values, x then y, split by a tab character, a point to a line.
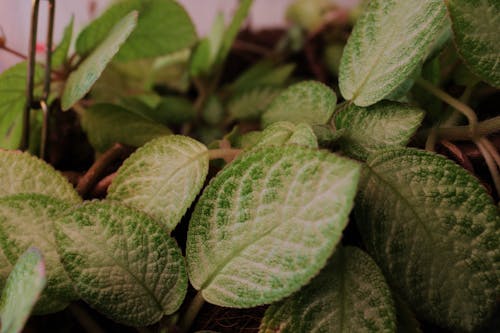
485	127
455	103
490	162
192	311
14	52
228	154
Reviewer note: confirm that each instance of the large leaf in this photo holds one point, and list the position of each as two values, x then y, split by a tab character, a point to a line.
163	27
106	124
23	288
389	41
434	231
267	223
383	125
27	220
285	133
23	173
349	295
83	78
308	102
122	262
162	178
12	101
476	27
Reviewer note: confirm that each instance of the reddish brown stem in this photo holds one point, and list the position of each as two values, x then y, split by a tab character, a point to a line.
101	188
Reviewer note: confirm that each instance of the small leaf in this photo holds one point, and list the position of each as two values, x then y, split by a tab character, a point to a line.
267	223
174	110
263	74
285	133
100	123
251	103
162	178
22	290
23	173
476	29
25	221
434	231
83	78
61	52
307	102
383	125
122	263
163	27
349	295
389	41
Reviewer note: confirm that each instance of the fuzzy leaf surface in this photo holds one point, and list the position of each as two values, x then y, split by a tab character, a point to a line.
307	102
435	233
267	223
162	178
163	27
22	290
122	263
389	41
286	133
24	173
27	220
476	27
83	78
373	128
349	295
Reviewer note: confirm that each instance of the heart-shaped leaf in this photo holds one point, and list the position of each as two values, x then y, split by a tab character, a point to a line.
267	223
383	125
434	231
122	262
389	41
307	102
476	27
27	220
22	290
286	133
23	173
163	27
349	295
162	178
83	78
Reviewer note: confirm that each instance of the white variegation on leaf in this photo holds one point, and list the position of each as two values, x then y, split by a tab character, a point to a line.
162	178
267	223
27	220
122	262
286	133
24	173
380	126
435	232
476	28
389	41
309	102
22	290
349	295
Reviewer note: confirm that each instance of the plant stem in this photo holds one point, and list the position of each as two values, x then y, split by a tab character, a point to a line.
85	319
227	154
192	311
490	162
458	105
485	127
492	150
90	177
14	52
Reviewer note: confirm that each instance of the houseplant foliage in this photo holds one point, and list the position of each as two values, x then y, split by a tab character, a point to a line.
317	196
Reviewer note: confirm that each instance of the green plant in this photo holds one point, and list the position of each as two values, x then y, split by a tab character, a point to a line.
263	169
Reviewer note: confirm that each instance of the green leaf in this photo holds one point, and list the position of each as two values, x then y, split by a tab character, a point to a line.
286	133
476	27
162	178
383	125
163	27
12	101
250	104
100	123
267	223
23	288
23	173
349	295
174	110
307	102
122	262
263	74
60	54
27	220
434	231
83	78
5	268
389	41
